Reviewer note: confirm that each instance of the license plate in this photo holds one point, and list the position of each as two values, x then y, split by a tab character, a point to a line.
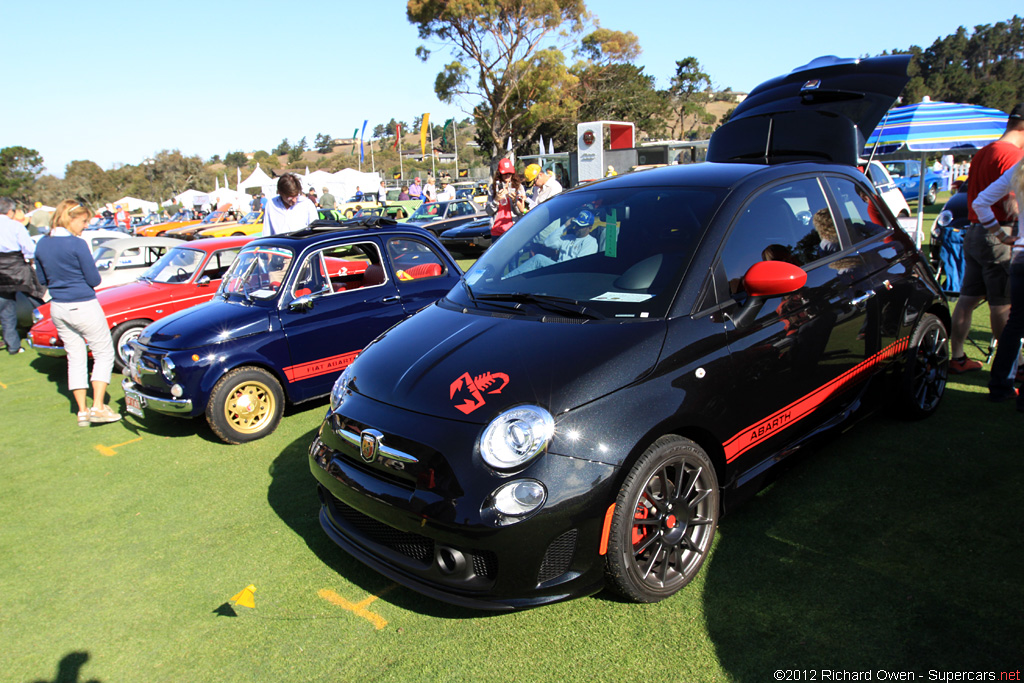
133	402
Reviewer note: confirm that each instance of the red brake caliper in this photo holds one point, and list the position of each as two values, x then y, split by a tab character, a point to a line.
639	531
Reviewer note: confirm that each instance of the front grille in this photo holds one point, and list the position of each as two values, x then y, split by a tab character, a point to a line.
558	557
411	545
485	564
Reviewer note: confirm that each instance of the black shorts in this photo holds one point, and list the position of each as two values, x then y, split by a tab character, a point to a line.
986	267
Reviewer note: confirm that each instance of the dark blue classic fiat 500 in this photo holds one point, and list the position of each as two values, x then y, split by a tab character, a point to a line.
290	315
634	357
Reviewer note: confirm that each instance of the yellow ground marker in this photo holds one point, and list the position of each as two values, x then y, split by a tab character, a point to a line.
245	597
20	381
358	608
109	450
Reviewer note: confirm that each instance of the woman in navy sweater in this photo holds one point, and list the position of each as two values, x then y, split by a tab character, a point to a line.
64	264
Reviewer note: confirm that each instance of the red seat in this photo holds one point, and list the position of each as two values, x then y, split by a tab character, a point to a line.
423	270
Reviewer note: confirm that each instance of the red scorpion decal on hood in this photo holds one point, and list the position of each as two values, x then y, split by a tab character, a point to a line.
477	386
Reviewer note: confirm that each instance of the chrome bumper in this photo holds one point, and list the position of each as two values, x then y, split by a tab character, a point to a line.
52	351
168	406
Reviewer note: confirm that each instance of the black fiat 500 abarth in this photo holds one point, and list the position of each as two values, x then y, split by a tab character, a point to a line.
634	357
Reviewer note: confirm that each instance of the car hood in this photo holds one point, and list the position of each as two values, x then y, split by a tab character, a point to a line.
471	367
141	293
206	324
823	110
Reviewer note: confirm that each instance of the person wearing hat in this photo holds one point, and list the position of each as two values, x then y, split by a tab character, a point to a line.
327	200
986	255
121	218
447	192
574	241
506	199
611	172
544	185
415	190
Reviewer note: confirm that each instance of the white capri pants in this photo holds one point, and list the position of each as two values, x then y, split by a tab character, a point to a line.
79	323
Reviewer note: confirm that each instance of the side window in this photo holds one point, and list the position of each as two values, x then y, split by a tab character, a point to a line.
412	259
876	175
345	267
858	208
219	263
789	222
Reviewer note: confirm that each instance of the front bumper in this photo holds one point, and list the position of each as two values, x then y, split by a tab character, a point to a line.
424	525
160	404
47	350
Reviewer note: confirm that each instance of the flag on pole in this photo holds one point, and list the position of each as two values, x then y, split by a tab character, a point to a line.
238	185
444	131
509	146
541	144
362	155
398	134
355	134
423	133
551	145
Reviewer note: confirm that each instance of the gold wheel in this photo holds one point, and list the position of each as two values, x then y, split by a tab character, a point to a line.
246	405
249	407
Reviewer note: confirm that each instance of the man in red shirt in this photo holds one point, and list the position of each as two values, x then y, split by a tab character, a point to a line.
986	259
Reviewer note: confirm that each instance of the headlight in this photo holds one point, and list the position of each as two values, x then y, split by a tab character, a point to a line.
518	498
36	316
167	368
944	218
340	388
516	436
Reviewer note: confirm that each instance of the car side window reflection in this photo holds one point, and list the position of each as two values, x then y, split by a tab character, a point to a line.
789	222
859	208
413	259
340	268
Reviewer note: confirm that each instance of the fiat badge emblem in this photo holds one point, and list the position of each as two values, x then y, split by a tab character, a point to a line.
369	444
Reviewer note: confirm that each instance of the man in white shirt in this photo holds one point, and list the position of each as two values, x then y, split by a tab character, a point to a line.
447	192
290	210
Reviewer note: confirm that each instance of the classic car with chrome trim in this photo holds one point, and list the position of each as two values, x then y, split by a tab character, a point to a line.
124	260
440	216
185	276
634	358
250	224
292	313
221	217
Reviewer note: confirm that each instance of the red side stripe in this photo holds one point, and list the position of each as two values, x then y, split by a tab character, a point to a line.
320	367
802	407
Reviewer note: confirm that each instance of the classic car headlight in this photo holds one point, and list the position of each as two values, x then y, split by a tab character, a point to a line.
167	368
516	436
340	387
36	316
944	218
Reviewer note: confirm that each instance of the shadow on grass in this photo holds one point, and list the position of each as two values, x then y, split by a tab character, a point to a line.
894	547
292	495
69	669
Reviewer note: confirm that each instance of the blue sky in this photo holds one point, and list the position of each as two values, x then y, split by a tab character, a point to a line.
115	82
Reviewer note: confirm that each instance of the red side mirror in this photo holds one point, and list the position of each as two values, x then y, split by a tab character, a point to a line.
774	278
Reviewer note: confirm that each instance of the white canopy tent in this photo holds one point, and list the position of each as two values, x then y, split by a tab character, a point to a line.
134	204
190	198
261	180
239	201
348	179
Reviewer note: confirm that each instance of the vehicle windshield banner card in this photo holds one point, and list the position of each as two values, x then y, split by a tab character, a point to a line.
611	234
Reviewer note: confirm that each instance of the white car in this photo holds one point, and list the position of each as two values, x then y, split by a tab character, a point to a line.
125	259
887	190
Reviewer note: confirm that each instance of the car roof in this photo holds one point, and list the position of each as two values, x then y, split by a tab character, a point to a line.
364	226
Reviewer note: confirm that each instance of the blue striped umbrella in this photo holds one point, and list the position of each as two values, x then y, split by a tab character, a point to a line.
935	127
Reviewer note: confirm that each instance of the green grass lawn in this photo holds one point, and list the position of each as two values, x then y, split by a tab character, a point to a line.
896	546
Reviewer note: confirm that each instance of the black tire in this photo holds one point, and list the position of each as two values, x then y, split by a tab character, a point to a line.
927	368
122	334
238	234
245	405
931	195
651	554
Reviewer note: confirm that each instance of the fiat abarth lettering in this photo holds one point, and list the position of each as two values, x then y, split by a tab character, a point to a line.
634	357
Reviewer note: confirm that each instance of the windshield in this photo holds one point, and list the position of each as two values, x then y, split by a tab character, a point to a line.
250	217
616	253
431	211
213	217
258	272
177	265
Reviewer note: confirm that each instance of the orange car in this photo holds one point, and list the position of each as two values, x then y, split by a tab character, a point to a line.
180	219
187	232
250	224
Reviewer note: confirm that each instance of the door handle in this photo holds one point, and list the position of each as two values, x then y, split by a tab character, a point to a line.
861	301
391	299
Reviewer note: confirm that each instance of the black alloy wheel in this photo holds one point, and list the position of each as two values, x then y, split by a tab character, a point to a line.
927	368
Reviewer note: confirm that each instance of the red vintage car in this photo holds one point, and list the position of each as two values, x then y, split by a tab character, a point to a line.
185	276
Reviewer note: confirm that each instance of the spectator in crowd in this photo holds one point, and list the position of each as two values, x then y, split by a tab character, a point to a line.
506	199
327	200
986	258
67	268
403	194
311	195
429	191
290	210
1000	383
16	253
382	193
415	190
447	192
359	194
544	185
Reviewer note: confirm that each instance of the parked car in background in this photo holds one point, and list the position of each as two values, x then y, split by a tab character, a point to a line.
186	275
350	206
440	216
395	212
97	236
635	356
289	317
124	260
222	218
249	224
410	204
886	188
469	239
906	173
180	219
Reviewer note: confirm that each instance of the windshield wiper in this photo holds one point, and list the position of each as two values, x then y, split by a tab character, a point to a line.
559	304
469	292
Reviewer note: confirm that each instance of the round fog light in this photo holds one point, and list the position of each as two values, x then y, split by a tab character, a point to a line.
177	391
518	498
